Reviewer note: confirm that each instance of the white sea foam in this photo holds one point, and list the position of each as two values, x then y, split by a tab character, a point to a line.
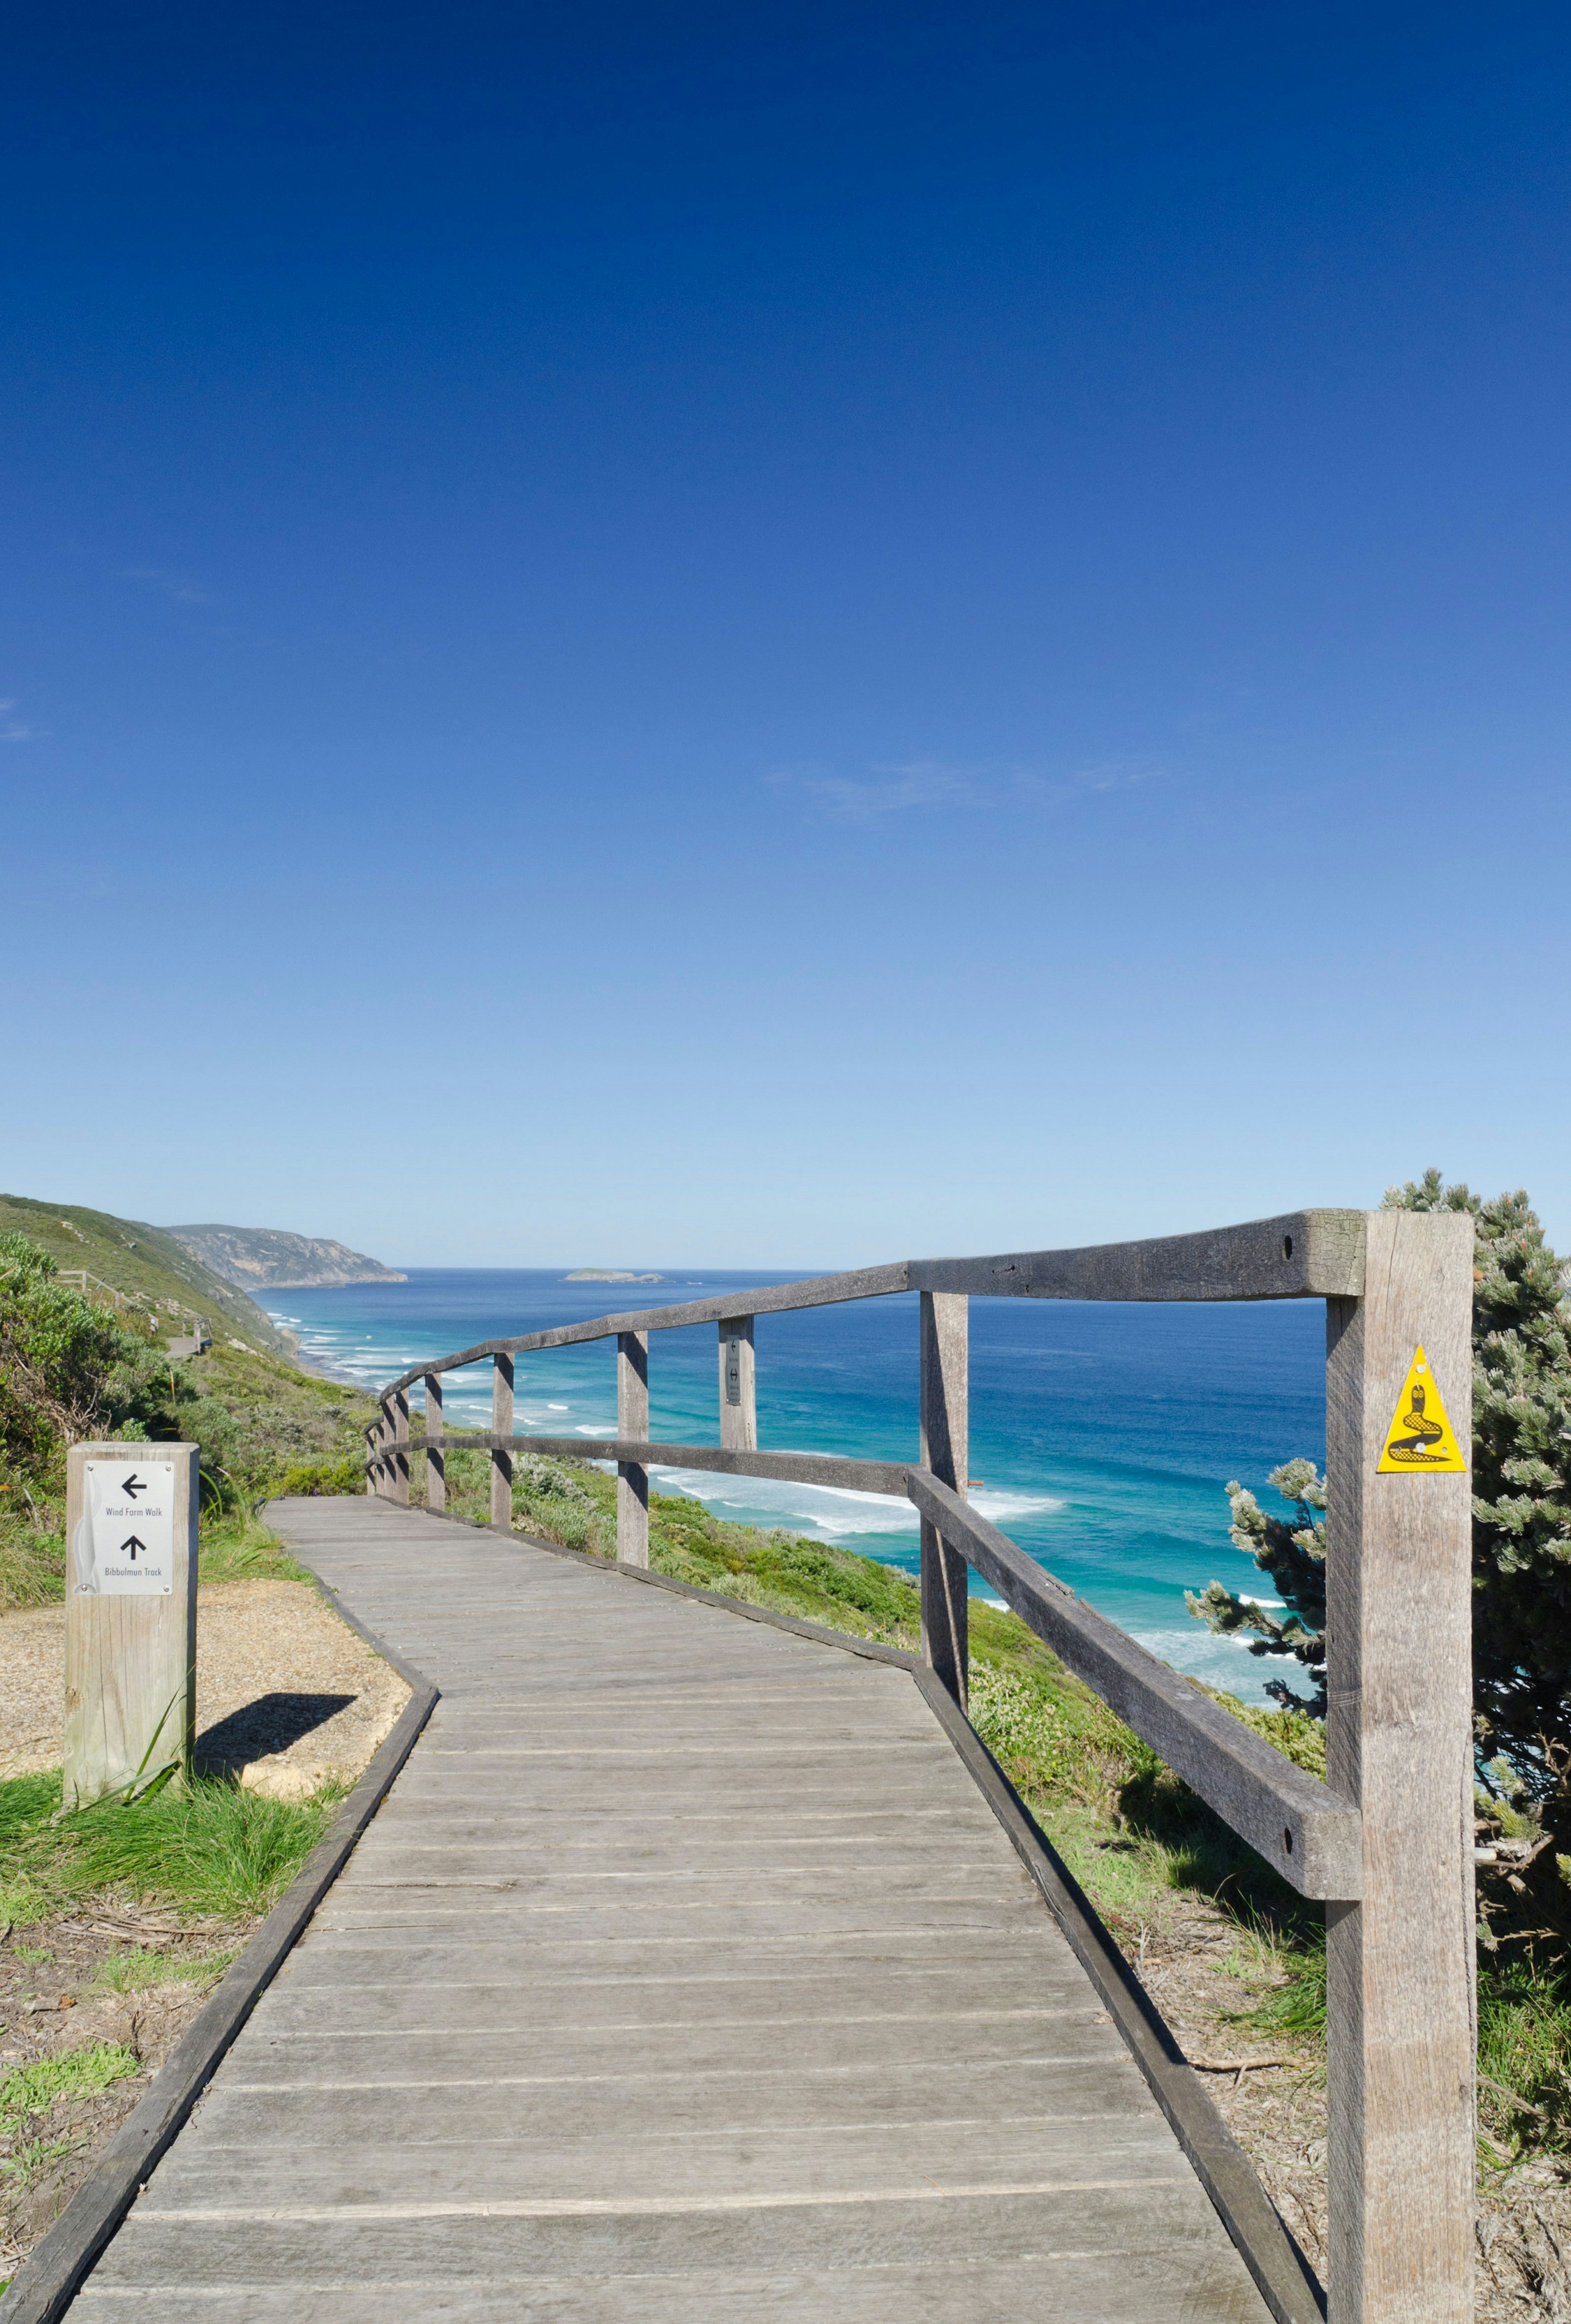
1221	1662
839	1512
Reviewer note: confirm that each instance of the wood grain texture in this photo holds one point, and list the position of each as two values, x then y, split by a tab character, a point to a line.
944	1326
627	2066
42	2290
130	1663
1399	1741
436	1458
401	1452
1303	1255
738	1398
1306	1830
502	1427
632	1420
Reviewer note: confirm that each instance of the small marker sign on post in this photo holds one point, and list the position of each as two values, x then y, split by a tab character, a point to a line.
1421	1437
130	1618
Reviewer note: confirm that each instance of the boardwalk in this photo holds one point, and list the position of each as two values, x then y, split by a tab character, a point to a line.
684	1974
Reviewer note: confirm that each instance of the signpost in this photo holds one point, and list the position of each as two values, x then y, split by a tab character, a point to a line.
130	1618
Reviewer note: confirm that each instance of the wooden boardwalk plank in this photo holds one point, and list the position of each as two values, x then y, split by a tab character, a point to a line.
684	1972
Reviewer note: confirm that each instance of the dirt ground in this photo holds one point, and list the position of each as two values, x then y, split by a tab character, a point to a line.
1271	2094
56	2000
287	1696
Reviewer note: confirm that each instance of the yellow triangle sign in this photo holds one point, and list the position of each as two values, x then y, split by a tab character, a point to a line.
1421	1436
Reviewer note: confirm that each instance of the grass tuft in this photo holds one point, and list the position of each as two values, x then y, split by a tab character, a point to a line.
141	1966
31	2089
211	1850
237	1547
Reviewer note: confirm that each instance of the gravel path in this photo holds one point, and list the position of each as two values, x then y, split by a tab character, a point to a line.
287	1696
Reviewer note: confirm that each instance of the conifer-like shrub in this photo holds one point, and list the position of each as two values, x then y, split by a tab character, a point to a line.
1522	1540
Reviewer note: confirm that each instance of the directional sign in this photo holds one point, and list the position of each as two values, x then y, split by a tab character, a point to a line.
125	1542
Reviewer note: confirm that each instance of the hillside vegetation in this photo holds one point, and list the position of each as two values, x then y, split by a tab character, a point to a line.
73	1366
146	1263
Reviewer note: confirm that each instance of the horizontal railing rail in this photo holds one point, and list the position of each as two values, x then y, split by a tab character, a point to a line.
785	1468
1303	1255
1385	1841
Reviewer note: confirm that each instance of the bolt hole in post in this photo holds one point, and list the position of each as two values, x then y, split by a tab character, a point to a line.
1287	1843
1287	1246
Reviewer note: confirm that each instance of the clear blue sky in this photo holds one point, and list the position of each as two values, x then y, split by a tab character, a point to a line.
782	635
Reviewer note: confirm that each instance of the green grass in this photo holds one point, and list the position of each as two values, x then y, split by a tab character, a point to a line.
238	1547
211	1851
134	1971
33	1560
31	2089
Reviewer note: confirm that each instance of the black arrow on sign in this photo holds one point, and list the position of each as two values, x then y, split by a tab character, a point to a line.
134	1485
133	1545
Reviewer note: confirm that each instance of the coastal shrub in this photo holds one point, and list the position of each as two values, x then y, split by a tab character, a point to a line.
1522	1547
68	1369
1026	1732
346	1475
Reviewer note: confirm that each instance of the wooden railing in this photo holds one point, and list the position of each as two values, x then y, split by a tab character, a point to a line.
94	1288
1386	1842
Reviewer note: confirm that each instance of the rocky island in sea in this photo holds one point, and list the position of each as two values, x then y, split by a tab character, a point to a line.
609	1275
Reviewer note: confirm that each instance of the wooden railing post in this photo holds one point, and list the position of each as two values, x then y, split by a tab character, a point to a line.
436	1463
502	1458
945	1430
633	1419
1401	1996
401	1457
370	1440
739	1400
382	1473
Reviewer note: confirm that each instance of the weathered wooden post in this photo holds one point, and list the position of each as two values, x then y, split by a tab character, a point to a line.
132	1512
502	1458
383	1471
632	1420
436	1463
401	1455
944	1449
1401	1996
738	1402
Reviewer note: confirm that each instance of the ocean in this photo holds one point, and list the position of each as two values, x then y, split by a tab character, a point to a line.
1103	1436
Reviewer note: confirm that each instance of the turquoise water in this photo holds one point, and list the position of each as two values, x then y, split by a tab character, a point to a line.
1103	1436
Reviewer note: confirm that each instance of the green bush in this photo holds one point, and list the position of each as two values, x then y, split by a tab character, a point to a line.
346	1475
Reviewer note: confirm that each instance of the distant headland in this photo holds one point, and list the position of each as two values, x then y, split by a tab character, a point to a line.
265	1258
609	1275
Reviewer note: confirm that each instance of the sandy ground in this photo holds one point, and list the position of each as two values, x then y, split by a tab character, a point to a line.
287	1696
